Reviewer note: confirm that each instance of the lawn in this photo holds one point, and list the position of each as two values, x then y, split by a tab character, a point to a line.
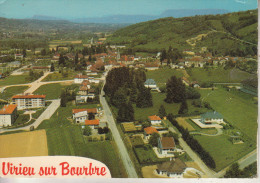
11	91
158	100
222	150
65	138
162	75
22	118
238	109
146	155
58	76
12	80
218	75
52	91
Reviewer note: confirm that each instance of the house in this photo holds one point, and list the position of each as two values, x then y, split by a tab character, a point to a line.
92	123
29	101
86	83
80	78
196	61
166	145
93	80
155	120
148	131
83	90
211	117
14	64
150	83
18	56
174	168
80	115
8	115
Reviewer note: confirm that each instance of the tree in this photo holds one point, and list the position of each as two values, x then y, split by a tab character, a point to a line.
87	131
233	171
144	98
63	99
175	90
125	113
183	108
24	53
154	139
61	60
43	51
91	116
76	60
162	113
52	67
163	56
192	93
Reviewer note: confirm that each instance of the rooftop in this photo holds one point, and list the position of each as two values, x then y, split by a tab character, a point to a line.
167	142
154	118
212	115
150	130
8	109
150	82
175	166
28	96
92	122
92	110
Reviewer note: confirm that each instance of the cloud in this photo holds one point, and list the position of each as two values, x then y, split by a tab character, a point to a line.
241	1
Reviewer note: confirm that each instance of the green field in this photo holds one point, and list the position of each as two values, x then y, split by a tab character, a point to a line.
236	108
158	100
147	155
218	75
161	75
52	91
11	91
65	138
222	150
58	76
12	80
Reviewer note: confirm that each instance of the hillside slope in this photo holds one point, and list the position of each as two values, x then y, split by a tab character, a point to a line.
229	34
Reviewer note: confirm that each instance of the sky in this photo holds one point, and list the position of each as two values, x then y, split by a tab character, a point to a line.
70	9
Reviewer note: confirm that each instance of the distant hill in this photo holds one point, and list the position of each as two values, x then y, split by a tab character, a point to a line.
232	34
131	19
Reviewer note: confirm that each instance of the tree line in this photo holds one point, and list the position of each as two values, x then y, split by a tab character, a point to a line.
125	87
193	143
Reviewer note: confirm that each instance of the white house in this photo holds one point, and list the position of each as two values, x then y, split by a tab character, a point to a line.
80	78
173	169
166	145
211	117
29	101
81	115
92	123
8	115
148	131
150	83
155	120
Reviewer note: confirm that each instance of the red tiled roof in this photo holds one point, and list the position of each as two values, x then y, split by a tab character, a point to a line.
85	83
167	142
92	122
28	96
93	110
83	88
154	118
150	130
81	76
8	109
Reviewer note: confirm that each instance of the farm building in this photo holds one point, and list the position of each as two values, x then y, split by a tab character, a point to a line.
80	115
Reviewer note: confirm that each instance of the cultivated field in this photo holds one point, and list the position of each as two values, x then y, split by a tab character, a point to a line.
24	144
184	123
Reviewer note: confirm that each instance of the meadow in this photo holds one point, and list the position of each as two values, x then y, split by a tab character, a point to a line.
12	80
11	91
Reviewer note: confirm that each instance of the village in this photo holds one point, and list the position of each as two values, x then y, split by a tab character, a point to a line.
34	85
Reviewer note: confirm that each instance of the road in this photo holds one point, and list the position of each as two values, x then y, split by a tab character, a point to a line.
45	115
209	173
129	166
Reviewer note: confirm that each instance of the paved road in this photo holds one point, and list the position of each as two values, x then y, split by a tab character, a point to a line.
45	115
129	166
209	173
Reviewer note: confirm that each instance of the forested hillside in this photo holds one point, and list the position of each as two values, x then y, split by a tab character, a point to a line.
232	34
